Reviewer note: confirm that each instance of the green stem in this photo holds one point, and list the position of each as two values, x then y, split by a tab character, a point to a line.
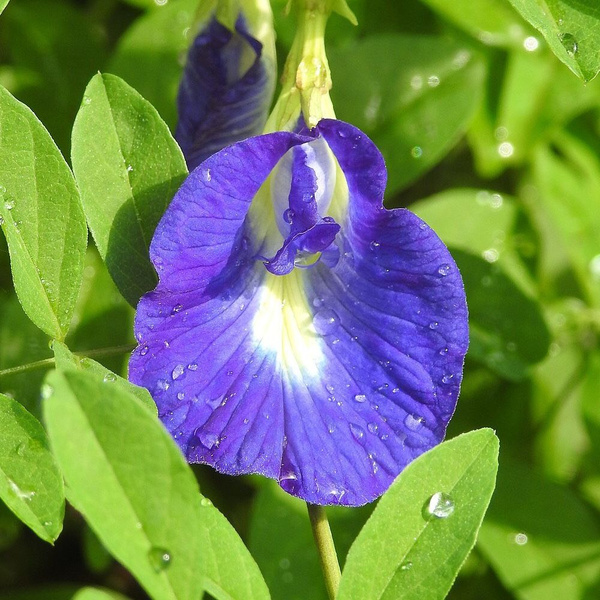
48	362
326	548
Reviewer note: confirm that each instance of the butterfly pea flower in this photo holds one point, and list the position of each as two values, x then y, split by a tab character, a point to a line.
228	80
300	330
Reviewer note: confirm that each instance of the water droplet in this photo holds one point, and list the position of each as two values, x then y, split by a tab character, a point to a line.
9	204
326	321
433	81
206	174
46	391
1	220
288	215
19	493
163	385
205	502
87	100
491	255
413	423
433	325
373	427
177	372
129	168
144	350
446	379
407	566
444	269
110	377
176	309
416	152
2	189
569	43
443	351
22	448
440	505
360	397
506	150
521	539
180	395
374	245
192	367
531	43
159	559
357	432
207	438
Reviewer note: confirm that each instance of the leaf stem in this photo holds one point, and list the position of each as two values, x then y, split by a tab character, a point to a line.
326	548
48	362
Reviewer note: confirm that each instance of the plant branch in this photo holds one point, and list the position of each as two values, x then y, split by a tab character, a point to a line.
326	548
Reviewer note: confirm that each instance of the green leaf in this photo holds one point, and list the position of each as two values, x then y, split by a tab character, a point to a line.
149	54
30	483
567	175
89	593
507	344
67	361
416	98
3	4
131	483
128	168
48	592
490	21
571	30
405	551
57	64
541	539
42	219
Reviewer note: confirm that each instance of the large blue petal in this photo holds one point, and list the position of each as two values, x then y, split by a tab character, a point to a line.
221	99
329	379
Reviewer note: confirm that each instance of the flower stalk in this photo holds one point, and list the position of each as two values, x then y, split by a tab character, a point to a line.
326	548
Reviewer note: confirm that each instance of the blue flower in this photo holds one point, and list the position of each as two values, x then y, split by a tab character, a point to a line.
300	330
225	92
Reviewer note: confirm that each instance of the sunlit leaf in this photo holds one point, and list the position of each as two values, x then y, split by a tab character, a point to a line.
571	30
41	218
425	525
30	483
133	486
128	167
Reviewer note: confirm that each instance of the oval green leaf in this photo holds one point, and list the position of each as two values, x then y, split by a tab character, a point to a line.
425	525
416	98
30	483
128	167
134	488
41	217
67	361
571	30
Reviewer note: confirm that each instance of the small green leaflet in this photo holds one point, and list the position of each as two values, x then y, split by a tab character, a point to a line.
30	483
41	217
128	168
134	488
425	525
67	361
571	30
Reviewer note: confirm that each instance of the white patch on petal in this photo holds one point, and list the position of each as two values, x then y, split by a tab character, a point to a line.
284	324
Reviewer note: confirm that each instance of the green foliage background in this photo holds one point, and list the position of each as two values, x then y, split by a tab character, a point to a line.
488	115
